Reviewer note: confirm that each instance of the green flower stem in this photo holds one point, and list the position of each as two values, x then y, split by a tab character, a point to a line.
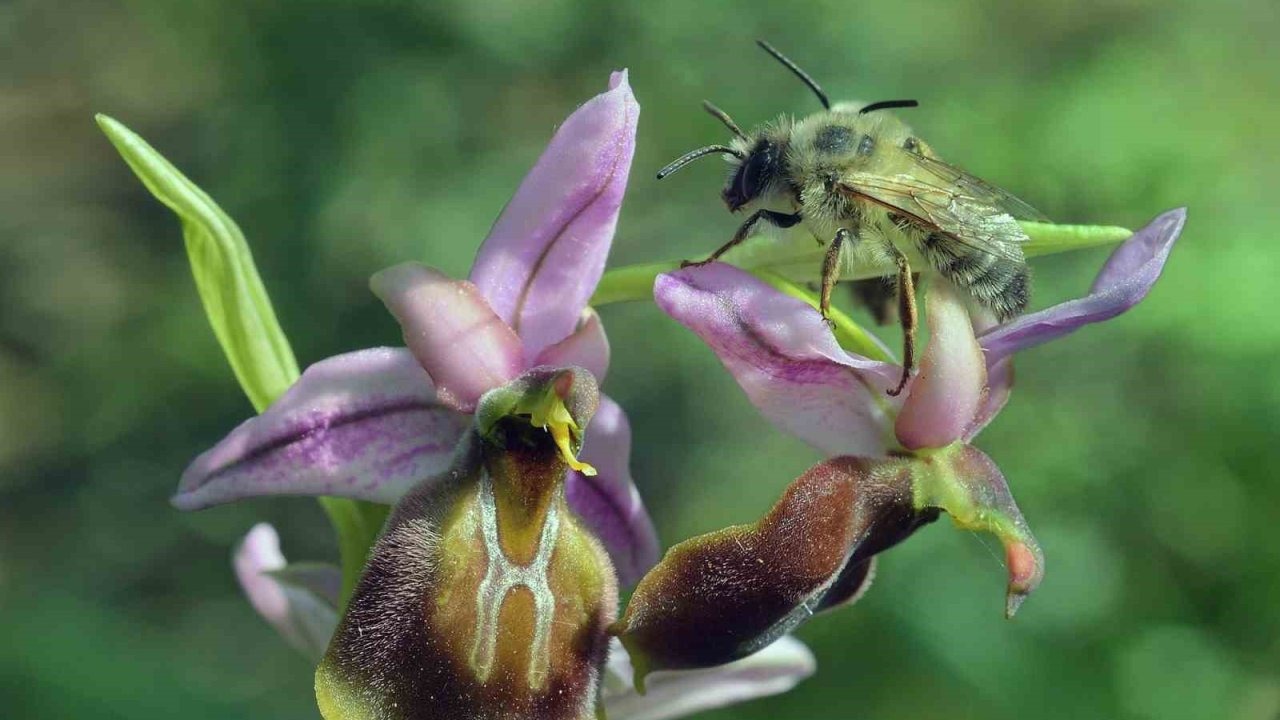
630	283
849	334
243	320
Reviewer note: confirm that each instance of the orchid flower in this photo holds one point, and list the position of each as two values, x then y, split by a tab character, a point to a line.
894	463
370	424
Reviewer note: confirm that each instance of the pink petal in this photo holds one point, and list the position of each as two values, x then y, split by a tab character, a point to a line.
946	395
786	359
457	338
545	254
303	618
587	347
363	425
609	503
678	693
1123	282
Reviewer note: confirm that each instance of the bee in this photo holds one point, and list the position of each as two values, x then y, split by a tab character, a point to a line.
858	180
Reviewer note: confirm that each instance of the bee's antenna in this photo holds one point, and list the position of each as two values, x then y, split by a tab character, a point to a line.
692	155
887	105
804	76
723	117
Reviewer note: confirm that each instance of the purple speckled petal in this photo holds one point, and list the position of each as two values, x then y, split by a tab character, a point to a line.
678	693
544	255
362	425
1123	282
304	618
609	502
462	344
786	359
946	395
587	347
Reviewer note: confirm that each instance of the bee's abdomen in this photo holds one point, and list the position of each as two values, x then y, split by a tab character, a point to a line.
1000	284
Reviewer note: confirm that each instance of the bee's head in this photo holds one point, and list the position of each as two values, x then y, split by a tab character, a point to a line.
756	160
754	173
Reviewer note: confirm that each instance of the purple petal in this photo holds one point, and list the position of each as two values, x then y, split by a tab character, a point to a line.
457	338
587	347
784	356
946	395
362	425
302	617
677	693
544	255
1124	281
609	503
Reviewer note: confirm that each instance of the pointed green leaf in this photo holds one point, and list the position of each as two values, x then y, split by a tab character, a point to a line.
233	295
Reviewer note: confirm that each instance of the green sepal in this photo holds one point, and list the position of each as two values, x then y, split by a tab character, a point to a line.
243	320
963	482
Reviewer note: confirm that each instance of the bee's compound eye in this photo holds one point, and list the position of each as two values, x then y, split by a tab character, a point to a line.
753	176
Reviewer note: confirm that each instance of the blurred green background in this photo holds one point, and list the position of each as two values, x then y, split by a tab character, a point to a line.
348	136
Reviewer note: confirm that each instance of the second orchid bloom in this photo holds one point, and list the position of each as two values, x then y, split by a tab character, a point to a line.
895	463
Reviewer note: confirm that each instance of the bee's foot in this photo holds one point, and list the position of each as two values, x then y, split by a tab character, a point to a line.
695	263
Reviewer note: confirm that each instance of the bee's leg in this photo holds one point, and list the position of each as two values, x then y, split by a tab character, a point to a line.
780	219
906	317
831	269
879	296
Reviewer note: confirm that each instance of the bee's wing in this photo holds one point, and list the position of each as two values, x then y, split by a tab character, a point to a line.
977	188
966	211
